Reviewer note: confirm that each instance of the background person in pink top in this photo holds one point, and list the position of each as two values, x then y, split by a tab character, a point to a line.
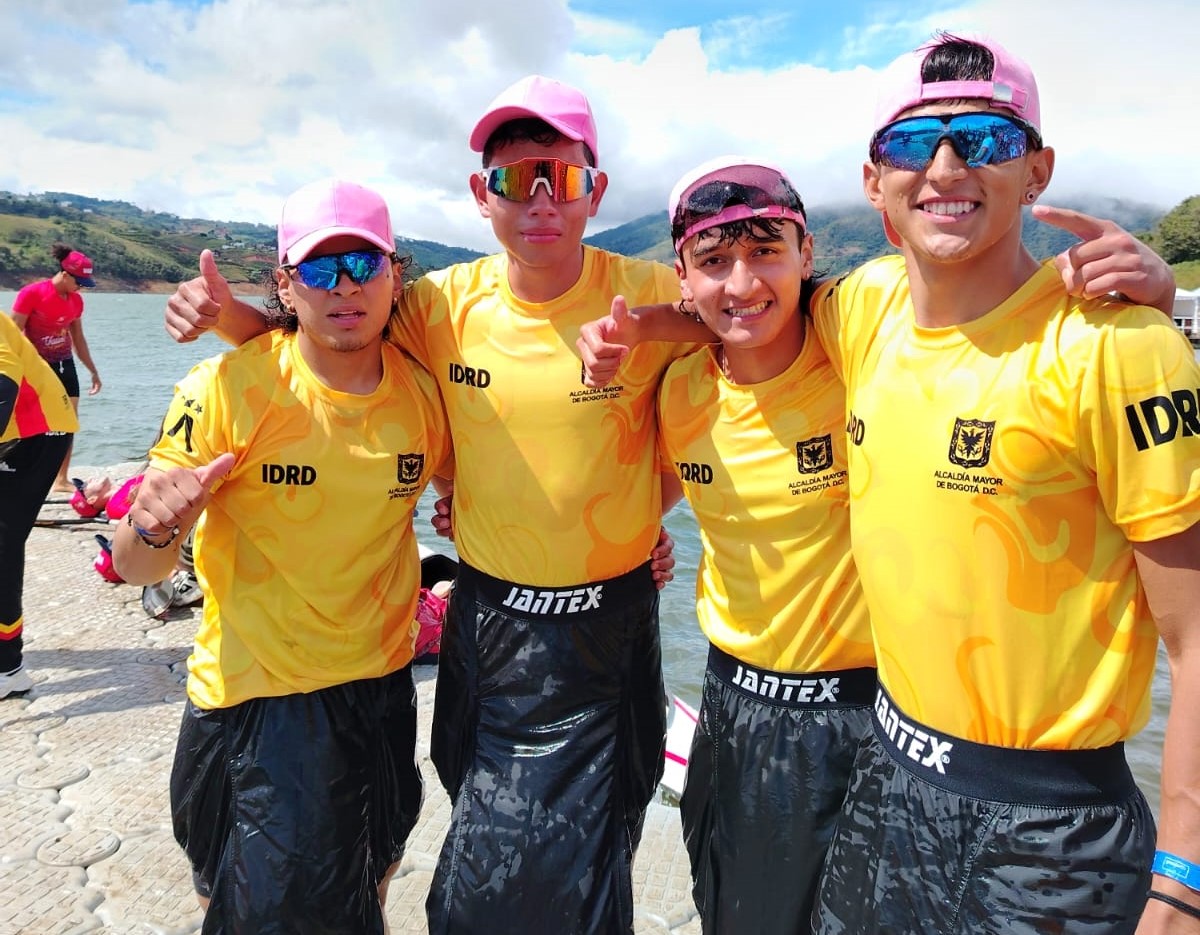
49	312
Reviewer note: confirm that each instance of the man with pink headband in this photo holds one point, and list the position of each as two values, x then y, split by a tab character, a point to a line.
549	724
295	783
1025	489
752	429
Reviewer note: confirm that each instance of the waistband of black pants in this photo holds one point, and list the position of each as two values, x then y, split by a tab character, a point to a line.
1061	778
846	688
563	603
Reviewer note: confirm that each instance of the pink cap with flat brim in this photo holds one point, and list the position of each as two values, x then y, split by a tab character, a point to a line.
332	208
560	105
79	267
1011	87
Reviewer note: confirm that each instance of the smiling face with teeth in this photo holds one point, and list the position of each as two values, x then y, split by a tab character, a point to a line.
745	280
952	213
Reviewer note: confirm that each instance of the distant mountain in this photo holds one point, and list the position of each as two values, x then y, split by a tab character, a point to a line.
137	250
846	235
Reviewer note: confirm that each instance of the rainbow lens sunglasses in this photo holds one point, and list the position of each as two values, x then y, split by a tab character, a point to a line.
323	272
980	139
519	181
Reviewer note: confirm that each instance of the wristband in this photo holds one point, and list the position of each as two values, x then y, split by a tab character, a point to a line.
1176	868
1174	903
145	534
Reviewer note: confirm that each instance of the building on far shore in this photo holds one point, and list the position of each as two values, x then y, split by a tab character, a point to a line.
1187	313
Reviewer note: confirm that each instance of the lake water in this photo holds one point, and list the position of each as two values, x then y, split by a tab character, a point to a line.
139	365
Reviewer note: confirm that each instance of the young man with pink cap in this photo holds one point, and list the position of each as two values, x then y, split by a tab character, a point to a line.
1024	502
549	723
50	313
295	784
752	428
1023	497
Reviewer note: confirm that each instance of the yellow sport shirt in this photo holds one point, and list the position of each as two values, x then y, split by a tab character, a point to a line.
41	404
763	467
999	473
555	483
306	553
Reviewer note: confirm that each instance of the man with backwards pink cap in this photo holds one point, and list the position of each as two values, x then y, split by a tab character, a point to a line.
1024	503
549	723
295	785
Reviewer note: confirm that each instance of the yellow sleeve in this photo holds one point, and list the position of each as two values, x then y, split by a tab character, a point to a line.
1140	424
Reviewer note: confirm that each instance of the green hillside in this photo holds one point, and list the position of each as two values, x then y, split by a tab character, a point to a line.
148	251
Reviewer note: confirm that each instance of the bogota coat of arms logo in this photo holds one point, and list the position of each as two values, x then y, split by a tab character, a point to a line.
814	455
971	443
409	467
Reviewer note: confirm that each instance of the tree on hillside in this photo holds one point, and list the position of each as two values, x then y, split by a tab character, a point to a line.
1178	235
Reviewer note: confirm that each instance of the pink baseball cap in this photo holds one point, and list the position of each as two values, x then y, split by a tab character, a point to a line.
731	188
332	208
1011	86
80	268
560	105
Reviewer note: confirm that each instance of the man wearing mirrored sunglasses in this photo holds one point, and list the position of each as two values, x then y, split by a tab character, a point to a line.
1024	505
549	724
1014	591
295	784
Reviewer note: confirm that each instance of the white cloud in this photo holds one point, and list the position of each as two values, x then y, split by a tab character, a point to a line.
219	112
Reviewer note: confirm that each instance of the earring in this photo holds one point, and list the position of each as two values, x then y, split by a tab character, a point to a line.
1031	197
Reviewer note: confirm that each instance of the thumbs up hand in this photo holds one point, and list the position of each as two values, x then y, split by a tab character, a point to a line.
174	499
196	305
167	506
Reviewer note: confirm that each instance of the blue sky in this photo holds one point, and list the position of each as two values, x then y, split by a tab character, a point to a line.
220	109
762	35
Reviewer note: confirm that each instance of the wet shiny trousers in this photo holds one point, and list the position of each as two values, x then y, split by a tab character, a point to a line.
548	736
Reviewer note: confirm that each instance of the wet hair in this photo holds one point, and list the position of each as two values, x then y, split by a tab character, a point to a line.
952	58
279	315
527	130
758	230
762	230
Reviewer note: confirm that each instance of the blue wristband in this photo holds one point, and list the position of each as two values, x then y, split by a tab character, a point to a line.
1176	868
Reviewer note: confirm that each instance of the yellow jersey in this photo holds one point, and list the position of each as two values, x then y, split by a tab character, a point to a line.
1000	472
306	554
555	484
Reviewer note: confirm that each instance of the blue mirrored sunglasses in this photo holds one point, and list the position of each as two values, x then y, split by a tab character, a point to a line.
323	272
980	139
